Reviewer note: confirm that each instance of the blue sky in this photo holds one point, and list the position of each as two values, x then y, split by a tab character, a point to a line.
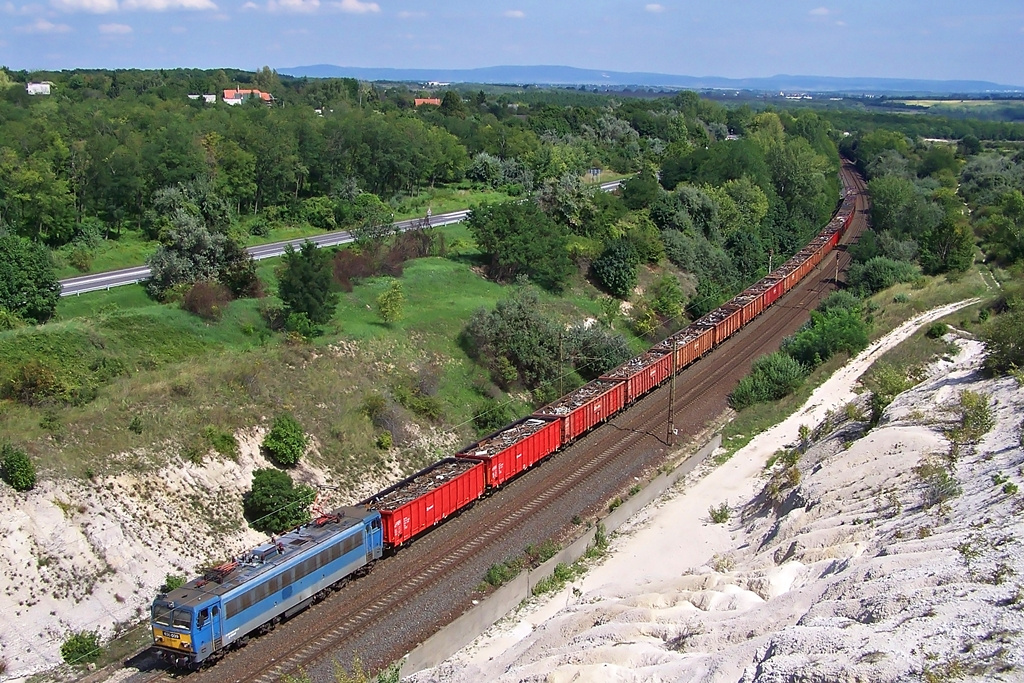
935	39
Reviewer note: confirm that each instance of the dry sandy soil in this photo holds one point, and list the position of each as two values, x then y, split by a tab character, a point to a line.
850	575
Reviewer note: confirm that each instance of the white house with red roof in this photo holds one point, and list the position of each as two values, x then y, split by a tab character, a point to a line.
238	96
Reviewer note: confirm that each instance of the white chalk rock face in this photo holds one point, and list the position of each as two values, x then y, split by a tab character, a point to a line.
888	561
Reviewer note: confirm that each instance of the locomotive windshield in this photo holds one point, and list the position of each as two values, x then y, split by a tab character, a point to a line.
162	615
182	618
176	618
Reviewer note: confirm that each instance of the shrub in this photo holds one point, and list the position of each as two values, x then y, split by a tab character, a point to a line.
391	302
299	323
206	299
720	514
16	468
827	334
974	419
81	648
81	260
772	377
885	383
615	270
880	273
1004	342
9	321
385	441
286	442
937	330
275	503
259	227
840	299
493	415
502	572
35	383
517	341
593	350
419	403
939	484
667	297
172	581
273	316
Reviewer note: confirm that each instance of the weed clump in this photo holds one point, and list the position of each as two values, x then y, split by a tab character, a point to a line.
720	514
939	485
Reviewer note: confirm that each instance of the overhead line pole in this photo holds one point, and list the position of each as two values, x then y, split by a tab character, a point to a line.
672	400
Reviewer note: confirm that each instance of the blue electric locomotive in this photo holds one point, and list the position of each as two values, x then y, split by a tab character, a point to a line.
193	623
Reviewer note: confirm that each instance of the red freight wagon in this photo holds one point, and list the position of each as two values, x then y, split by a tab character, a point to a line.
690	343
833	239
419	502
726	319
751	301
643	373
515	448
788	273
774	288
587	407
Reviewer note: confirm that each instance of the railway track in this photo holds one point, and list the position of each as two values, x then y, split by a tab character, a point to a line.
411	593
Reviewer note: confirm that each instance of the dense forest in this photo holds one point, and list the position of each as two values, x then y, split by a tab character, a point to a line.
116	152
713	198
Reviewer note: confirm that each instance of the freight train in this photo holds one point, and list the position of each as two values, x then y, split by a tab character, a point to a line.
196	623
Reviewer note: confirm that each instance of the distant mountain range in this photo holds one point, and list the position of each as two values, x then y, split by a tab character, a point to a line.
567	75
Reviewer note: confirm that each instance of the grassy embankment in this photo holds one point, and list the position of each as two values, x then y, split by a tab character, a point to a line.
893	306
161	375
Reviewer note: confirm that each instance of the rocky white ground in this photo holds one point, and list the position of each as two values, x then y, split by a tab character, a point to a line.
849	578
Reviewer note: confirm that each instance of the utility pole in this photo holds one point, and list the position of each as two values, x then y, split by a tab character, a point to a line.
561	361
672	400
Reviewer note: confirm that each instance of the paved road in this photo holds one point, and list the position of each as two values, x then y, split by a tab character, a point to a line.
127	276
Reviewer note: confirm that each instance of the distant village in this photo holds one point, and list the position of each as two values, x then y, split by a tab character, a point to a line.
230	96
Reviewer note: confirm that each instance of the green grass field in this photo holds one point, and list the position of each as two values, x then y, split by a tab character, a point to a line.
157	375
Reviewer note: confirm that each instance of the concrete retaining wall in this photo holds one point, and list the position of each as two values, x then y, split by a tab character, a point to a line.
467	627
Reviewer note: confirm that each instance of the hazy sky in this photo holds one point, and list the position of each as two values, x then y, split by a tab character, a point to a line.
938	39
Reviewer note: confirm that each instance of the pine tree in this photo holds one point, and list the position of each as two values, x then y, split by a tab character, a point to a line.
306	284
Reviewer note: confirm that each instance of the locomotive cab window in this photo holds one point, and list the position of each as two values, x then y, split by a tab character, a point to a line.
182	618
162	615
204	614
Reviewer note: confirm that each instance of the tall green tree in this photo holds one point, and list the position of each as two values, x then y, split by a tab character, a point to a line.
28	284
949	247
374	221
521	238
306	283
274	503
